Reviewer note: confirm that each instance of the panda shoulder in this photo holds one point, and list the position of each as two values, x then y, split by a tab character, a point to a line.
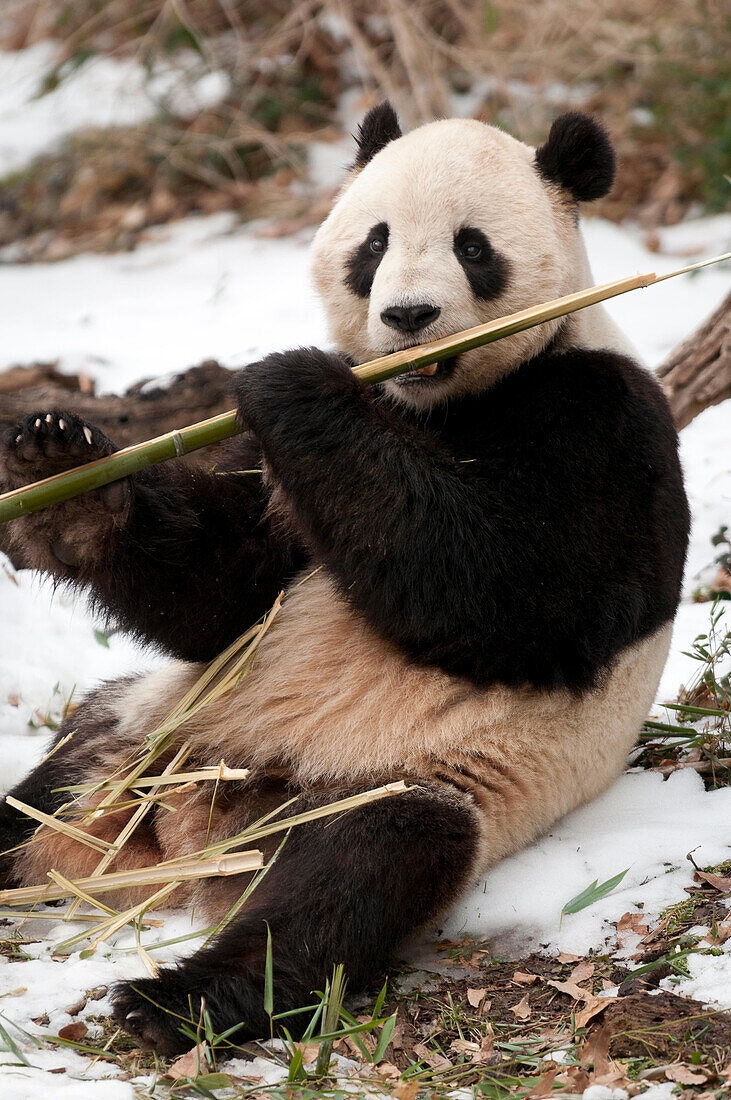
606	387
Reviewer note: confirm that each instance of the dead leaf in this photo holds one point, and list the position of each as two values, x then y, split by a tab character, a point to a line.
721	934
73	1032
189	1064
631	924
310	1052
595	1051
476	996
463	1046
544	1087
521	978
388	1070
591	1009
522	1010
722	883
571	988
564	957
580	973
683	1075
436	1061
406	1090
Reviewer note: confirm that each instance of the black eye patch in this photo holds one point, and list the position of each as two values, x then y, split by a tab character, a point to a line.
487	270
363	261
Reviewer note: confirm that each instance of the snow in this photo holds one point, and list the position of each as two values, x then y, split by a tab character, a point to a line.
101	92
641	823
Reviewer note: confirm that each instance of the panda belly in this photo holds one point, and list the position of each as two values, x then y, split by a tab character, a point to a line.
329	704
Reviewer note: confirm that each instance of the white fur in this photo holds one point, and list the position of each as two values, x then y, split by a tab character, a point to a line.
426	186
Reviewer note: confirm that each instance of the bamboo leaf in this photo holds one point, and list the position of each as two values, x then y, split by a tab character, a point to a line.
594	892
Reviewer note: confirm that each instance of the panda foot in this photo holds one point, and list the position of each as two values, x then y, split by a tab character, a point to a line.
145	1010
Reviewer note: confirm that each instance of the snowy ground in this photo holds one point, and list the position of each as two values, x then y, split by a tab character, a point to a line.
202	289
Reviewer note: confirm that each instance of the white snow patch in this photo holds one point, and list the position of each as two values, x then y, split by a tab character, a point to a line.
102	91
642	824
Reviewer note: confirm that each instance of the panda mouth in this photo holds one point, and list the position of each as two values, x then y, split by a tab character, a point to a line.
432	372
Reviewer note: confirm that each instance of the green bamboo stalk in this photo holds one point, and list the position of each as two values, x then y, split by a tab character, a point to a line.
83	479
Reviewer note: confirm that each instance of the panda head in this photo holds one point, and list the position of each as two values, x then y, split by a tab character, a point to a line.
450	226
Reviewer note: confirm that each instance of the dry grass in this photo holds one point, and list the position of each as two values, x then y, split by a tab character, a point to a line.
656	72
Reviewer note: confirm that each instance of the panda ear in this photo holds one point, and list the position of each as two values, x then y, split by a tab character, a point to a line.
578	156
379	126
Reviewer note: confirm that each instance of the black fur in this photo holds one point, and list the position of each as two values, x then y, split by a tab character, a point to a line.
92	729
336	894
578	156
378	128
190	561
560	543
363	262
488	273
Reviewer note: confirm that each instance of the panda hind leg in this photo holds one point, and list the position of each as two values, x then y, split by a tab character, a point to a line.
345	889
88	747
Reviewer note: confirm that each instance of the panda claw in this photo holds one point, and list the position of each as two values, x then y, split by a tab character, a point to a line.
87	435
18	439
62	424
38	423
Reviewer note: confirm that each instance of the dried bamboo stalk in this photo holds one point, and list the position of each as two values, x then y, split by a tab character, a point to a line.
60	826
185	870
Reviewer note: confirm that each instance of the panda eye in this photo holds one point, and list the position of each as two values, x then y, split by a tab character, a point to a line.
377	245
472	251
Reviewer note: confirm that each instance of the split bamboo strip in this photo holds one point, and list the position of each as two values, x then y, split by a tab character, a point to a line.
185	778
83	479
78	892
217	679
185	870
31	914
59	825
132	914
341	806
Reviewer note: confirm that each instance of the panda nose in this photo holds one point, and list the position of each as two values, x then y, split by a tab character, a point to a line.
410	318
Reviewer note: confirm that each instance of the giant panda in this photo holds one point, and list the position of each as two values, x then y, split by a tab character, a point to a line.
481	563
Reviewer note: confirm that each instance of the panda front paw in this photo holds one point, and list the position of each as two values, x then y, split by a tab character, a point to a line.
275	393
62	538
47	443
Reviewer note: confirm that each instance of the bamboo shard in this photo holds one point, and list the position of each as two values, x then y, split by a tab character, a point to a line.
83	479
